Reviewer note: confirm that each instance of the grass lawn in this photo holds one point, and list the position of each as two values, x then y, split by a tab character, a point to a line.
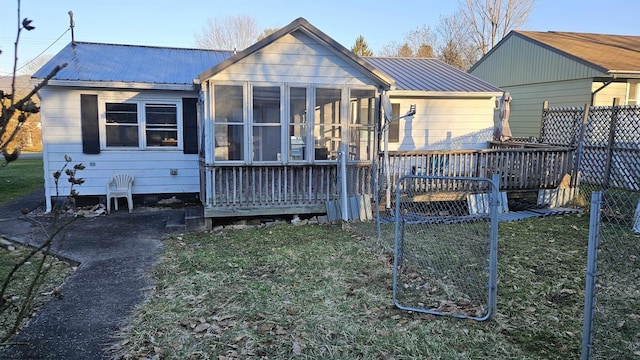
317	291
20	178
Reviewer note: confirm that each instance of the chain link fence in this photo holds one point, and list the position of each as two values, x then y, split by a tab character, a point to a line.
445	255
612	299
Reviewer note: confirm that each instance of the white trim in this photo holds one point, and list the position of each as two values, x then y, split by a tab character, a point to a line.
451	94
122	85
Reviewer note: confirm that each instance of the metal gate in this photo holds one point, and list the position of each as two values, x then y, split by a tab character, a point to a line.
445	256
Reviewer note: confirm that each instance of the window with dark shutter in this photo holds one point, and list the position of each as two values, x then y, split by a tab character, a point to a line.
190	125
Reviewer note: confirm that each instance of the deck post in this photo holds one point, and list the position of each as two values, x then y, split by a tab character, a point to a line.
342	171
545	107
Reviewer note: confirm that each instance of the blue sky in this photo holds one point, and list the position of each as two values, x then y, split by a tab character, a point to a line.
174	23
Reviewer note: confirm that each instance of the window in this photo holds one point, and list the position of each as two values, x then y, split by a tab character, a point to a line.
361	124
326	128
297	123
161	125
123	124
394	127
281	123
229	125
267	135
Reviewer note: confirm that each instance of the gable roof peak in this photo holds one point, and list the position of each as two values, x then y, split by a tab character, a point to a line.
305	26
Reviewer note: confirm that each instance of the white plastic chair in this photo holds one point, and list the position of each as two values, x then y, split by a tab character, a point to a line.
120	186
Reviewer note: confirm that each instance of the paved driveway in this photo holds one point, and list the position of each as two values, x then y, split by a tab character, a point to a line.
115	252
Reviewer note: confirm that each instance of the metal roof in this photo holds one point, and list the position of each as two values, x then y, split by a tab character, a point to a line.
131	63
428	74
135	64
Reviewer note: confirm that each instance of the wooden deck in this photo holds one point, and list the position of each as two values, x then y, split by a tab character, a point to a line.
259	190
520	168
270	190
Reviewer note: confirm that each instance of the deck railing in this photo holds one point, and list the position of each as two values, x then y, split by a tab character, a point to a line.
518	168
239	190
304	187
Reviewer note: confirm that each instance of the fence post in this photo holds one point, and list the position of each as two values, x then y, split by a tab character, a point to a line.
545	107
493	246
590	286
612	136
575	177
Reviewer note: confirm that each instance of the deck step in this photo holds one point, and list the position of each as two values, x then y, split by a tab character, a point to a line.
176	220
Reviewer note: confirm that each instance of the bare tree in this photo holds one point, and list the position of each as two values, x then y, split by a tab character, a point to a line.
489	21
14	109
266	32
229	33
455	47
361	48
418	42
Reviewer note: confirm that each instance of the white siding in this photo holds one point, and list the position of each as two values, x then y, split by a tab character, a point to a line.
61	134
445	123
294	58
518	61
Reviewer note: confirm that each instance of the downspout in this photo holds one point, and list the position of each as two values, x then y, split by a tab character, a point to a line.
593	94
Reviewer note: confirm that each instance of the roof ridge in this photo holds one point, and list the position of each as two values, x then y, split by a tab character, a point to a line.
150	46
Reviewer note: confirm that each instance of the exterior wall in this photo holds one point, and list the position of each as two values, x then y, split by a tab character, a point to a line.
61	133
445	123
294	58
605	96
526	106
518	61
533	74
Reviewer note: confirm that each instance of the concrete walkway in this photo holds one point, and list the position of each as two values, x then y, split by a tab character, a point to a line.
115	252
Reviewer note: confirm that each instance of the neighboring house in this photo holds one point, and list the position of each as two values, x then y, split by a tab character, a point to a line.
253	133
566	69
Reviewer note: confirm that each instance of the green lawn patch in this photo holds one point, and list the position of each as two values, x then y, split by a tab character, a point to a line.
20	178
320	292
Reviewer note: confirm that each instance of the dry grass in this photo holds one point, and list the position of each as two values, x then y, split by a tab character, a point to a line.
320	292
56	273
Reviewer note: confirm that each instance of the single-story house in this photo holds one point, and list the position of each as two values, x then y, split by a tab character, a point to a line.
256	132
563	68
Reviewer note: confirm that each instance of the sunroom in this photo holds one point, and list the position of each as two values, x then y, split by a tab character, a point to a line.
287	125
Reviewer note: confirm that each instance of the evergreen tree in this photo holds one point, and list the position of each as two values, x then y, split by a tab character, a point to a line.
361	47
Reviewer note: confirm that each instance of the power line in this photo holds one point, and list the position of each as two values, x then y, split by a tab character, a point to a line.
40	54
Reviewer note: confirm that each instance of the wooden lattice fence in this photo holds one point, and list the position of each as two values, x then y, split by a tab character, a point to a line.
607	138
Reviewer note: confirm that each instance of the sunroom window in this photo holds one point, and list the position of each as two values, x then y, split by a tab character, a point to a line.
326	128
297	123
267	135
361	126
229	125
